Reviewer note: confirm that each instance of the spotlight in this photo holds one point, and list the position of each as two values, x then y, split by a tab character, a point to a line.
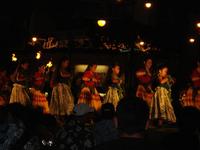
101	23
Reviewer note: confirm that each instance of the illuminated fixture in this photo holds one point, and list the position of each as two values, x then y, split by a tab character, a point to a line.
101	23
38	55
191	40
49	64
14	58
198	25
148	5
34	39
141	43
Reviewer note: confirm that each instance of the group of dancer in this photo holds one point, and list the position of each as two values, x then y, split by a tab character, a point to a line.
155	88
29	90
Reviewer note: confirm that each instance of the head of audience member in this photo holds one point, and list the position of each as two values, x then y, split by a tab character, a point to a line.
132	115
189	120
107	111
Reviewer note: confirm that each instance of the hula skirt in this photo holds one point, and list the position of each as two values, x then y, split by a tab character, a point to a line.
39	100
20	95
161	107
144	95
62	100
113	96
91	98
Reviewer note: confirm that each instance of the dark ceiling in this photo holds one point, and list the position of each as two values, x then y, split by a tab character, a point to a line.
168	23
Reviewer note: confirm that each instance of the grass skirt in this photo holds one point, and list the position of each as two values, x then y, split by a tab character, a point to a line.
19	95
62	100
144	95
112	96
92	99
39	100
161	107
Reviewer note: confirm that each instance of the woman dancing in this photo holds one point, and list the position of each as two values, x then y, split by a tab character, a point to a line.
21	79
161	108
38	96
62	100
89	94
115	91
144	76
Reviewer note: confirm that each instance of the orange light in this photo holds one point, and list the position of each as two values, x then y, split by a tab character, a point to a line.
38	55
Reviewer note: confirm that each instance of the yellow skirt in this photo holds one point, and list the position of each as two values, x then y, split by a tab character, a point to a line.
93	100
39	100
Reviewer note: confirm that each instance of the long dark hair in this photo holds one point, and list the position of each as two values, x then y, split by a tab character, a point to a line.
109	74
89	67
58	68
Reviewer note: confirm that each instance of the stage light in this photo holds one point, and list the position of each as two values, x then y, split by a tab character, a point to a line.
34	39
14	58
148	5
49	64
141	43
38	55
101	23
191	40
198	25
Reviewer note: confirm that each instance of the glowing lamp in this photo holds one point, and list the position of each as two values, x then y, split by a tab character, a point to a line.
198	25
34	39
191	40
148	5
101	23
141	43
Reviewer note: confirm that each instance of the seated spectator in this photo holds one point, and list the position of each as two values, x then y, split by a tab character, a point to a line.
106	128
188	136
78	132
132	115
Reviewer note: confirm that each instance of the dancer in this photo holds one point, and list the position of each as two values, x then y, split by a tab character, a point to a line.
115	92
38	96
161	108
89	93
144	76
21	79
191	96
62	100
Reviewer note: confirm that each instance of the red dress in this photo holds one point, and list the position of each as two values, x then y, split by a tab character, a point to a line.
89	94
39	98
144	90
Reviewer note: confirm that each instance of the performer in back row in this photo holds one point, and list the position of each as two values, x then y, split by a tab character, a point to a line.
89	94
21	78
62	100
144	76
115	91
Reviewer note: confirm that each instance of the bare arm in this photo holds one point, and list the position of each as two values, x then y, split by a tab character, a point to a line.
65	75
